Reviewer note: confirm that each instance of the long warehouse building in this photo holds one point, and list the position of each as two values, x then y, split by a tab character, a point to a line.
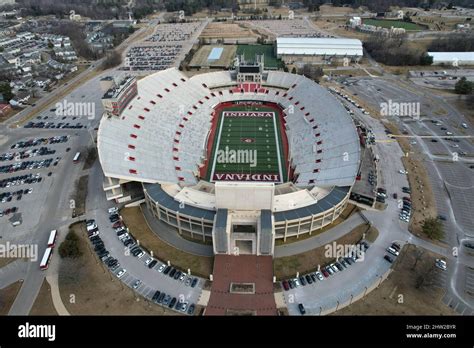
318	50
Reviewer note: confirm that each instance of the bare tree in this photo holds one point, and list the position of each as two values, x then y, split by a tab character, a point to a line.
418	256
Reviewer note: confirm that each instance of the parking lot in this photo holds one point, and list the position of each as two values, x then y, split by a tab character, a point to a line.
337	288
28	168
138	275
164	48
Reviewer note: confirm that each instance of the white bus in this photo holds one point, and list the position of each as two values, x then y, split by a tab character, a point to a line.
76	157
52	238
46	258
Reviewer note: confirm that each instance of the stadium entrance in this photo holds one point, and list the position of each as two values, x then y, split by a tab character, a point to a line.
243	226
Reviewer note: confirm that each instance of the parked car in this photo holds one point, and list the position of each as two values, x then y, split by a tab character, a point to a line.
301	309
388	258
441	264
172	303
191	309
155	296
392	251
302	280
137	283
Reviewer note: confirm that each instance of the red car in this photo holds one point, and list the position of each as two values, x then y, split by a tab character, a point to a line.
286	286
324	272
117	224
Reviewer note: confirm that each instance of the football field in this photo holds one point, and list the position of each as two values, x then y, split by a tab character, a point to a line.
247	146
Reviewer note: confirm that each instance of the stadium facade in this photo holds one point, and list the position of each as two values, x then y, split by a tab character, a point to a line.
169	136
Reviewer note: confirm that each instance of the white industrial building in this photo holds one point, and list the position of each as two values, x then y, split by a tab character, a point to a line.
317	50
452	58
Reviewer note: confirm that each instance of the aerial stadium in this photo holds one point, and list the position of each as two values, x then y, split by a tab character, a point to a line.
240	157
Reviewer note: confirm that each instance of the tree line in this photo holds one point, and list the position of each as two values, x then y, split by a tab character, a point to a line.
395	51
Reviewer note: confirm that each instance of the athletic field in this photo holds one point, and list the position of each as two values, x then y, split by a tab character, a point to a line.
247	146
249	52
388	23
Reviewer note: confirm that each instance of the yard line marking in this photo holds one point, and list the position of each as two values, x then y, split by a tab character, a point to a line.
278	147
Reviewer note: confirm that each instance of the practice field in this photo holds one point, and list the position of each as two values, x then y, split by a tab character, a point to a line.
200	58
249	52
385	23
247	146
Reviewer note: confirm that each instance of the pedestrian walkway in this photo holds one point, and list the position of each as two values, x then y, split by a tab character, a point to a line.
242	286
172	237
311	243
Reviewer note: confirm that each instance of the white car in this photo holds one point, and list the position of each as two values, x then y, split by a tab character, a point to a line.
123	236
184	306
402	171
137	284
392	251
147	261
91	227
319	275
449	133
121	273
455	146
464	125
161	268
297	282
441	264
140	255
182	276
113	210
413	142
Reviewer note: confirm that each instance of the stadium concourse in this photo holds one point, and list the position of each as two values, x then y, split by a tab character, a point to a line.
173	137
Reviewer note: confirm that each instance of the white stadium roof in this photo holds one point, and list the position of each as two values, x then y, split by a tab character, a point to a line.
161	135
318	46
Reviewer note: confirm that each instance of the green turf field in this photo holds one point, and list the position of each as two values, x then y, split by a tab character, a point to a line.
249	51
247	145
387	23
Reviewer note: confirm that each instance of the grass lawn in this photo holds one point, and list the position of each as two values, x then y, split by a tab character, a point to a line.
5	261
7	297
249	51
88	288
385	300
135	221
44	303
386	23
286	267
